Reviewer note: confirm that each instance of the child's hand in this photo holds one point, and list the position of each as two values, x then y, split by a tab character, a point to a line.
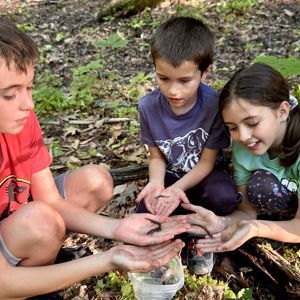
231	238
143	259
203	220
169	200
149	194
148	229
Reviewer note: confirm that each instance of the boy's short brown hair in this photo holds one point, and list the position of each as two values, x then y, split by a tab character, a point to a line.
16	47
183	38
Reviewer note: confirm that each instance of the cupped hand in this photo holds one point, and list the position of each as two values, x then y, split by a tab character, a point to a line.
230	239
143	259
203	220
144	229
169	200
149	194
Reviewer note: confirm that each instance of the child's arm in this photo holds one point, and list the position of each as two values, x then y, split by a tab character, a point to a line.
157	170
165	206
218	225
134	227
240	232
200	170
22	282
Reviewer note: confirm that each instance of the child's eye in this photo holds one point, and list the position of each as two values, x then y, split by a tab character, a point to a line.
253	125
9	97
184	80
232	128
163	78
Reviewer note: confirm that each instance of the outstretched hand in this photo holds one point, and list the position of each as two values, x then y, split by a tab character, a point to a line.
203	220
230	239
148	229
143	259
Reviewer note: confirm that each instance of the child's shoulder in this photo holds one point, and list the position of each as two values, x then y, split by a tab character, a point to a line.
150	99
208	93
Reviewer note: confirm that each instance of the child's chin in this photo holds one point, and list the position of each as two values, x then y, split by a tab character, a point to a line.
14	131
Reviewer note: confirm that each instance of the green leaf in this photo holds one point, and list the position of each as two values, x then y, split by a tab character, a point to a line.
286	66
245	294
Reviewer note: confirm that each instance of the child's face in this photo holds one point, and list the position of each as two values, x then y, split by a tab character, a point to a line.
179	85
15	98
259	128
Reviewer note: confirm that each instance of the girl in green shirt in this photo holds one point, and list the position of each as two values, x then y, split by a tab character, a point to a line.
264	124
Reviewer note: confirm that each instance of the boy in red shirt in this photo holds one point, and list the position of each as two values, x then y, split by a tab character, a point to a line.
31	233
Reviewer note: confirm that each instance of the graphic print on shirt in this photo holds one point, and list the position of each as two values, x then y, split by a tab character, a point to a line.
290	184
183	153
12	194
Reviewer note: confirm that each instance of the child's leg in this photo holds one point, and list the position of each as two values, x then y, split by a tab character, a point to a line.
90	186
269	196
216	192
32	235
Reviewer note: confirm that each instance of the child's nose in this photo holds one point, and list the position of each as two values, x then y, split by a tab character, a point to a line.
245	134
26	100
173	89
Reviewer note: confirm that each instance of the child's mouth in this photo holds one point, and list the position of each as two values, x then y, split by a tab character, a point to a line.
175	101
253	146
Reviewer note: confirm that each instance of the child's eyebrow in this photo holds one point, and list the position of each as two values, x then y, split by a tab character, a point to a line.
243	120
14	86
10	87
162	75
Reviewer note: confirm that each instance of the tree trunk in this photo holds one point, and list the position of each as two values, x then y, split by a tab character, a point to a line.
123	8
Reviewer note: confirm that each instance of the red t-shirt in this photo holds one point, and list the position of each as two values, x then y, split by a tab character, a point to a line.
21	155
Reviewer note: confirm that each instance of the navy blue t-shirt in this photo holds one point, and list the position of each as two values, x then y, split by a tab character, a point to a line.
182	138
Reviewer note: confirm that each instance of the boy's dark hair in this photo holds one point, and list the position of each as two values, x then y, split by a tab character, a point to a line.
16	47
260	84
183	38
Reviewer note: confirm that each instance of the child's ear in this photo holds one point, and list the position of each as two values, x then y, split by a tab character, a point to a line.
284	111
205	72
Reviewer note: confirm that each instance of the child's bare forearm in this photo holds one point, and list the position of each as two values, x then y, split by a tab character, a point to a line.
157	170
195	176
23	282
285	231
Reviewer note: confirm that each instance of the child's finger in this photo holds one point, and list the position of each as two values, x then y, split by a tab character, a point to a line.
140	196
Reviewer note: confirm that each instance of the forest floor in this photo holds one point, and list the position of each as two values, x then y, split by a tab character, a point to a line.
66	32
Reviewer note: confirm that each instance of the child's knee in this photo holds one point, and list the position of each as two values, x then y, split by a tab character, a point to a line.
224	201
34	233
265	192
99	181
42	223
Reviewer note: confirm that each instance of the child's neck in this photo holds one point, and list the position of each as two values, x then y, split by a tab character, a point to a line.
183	110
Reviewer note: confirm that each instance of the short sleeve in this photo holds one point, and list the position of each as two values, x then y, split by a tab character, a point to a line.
145	132
39	155
218	138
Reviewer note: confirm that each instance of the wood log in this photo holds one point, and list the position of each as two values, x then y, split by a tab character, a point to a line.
124	8
129	173
282	278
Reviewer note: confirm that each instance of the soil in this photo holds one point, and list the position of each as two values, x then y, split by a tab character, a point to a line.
269	28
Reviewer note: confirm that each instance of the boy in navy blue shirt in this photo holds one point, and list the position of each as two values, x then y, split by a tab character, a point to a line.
182	127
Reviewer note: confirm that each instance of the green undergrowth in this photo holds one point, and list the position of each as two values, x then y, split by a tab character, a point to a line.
194	286
289	66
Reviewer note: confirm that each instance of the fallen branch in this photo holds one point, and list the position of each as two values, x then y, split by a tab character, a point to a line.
124	8
284	278
133	172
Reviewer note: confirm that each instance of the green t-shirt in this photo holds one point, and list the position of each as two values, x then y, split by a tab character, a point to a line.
245	164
